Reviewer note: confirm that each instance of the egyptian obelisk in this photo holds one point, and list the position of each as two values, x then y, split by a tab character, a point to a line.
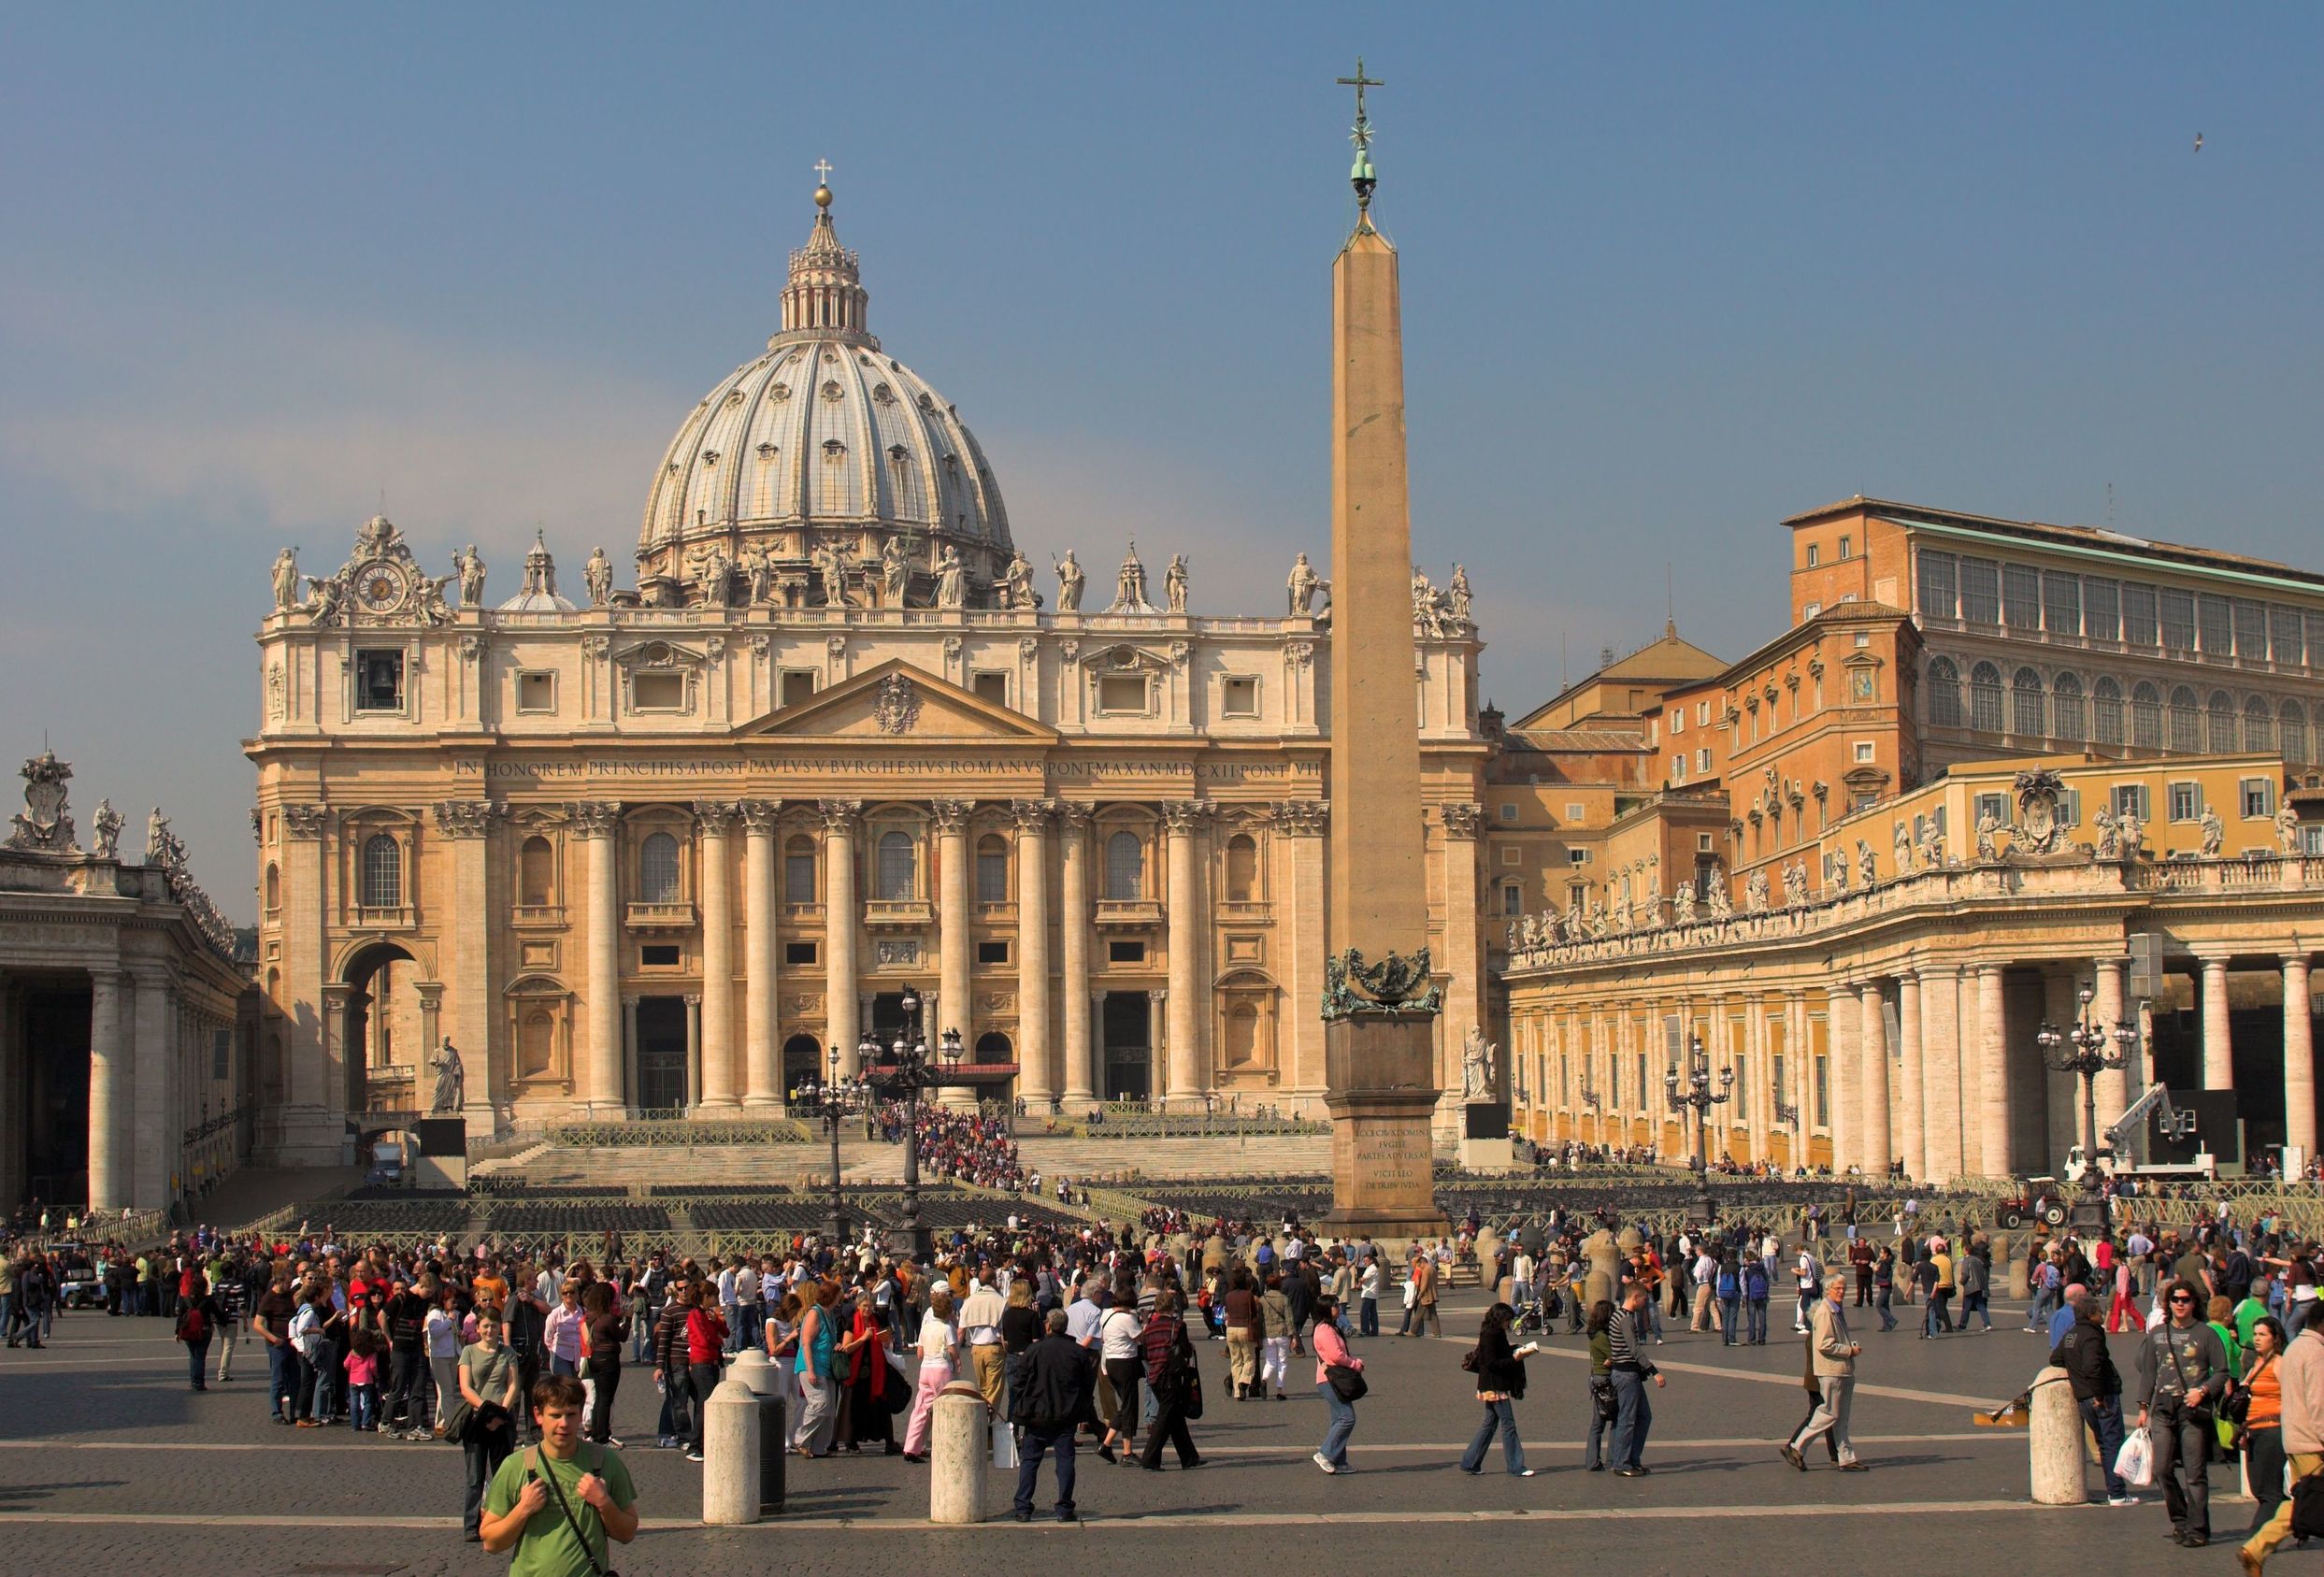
1379	1032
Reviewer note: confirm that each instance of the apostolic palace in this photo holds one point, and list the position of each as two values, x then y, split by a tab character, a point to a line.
666	840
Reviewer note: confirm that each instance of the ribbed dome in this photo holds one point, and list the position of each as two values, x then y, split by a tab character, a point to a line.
826	429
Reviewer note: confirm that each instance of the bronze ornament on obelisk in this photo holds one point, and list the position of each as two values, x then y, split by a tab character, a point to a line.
1380	1003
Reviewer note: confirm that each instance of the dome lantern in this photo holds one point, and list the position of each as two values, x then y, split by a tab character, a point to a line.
825	296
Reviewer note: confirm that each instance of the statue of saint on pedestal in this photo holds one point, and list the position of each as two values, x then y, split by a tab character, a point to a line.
451	1080
1476	1069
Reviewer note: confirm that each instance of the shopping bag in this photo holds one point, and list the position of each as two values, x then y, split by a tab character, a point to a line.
2134	1464
1004	1444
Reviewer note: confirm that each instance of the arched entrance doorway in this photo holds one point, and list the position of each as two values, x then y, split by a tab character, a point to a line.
385	1030
802	1060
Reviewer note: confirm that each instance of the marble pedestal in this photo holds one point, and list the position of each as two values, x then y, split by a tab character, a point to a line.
1379	1071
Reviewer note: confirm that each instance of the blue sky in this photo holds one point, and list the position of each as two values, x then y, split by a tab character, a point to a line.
1671	274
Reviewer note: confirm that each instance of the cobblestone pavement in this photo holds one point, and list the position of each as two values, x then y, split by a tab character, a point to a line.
107	1461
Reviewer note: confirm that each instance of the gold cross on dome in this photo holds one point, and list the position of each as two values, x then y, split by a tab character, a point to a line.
823	171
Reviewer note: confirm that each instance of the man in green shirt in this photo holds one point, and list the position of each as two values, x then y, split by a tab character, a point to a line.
2248	1311
522	1510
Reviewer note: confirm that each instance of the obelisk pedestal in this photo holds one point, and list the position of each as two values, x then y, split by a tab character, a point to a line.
1380	1069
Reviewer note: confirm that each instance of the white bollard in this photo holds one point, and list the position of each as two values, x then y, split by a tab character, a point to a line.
960	1452
730	1455
764	1377
2054	1440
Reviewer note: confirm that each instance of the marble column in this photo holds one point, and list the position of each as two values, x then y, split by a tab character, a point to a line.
1843	1019
467	825
1873	1083
158	1125
110	1100
762	1061
1464	913
1182	1026
1940	1065
954	1010
1157	1007
1301	825
2218	1048
712	819
1082	1081
694	1050
2110	1005
1911	1117
596	822
1036	1082
2299	1056
1994	1103
843	1026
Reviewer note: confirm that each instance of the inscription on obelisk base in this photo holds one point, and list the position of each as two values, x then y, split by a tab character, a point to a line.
1380	1068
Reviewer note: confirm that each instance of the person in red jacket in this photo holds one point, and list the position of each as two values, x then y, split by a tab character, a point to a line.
706	1350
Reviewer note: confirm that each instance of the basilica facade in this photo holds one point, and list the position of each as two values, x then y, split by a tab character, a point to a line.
670	847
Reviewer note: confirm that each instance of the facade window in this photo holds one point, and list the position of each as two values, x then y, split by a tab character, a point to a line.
2138	614
2102	608
1574	812
2106	712
536	692
1243	868
1822	1092
2259	724
898	873
1240	697
1577	856
379	681
2186	801
2028	715
2251	629
992	687
2186	724
1865	752
1509	810
798	686
1816	555
1981	591
1126	868
1940	584
1513	902
1846	548
2220	713
2066	708
1995	806
798	871
2061	603
274	889
1985	698
2258	796
2021	597
800	952
2147	716
1703	714
2294	720
382	872
990	951
1944	693
2214	625
991	869
657	692
1678	718
2130	800
1702	759
657	870
1811	610
2283	643
2176	610
1678	768
536	874
1121	693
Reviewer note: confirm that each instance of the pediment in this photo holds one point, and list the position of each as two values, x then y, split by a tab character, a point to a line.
659	655
899	702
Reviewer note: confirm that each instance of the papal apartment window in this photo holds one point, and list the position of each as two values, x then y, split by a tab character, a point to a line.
1678	768
1240	697
1811	610
1678	720
1702	843
1574	812
2259	800
798	686
1702	759
992	952
1847	546
1513	901
2130	800
379	681
657	870
1577	856
1993	805
536	692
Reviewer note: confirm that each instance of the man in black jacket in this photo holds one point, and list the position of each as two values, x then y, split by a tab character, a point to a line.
2097	1390
1051	1397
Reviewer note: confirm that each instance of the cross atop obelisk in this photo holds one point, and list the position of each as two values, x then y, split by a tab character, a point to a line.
1362	175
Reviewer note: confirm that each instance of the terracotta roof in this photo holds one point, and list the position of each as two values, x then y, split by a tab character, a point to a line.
1572	741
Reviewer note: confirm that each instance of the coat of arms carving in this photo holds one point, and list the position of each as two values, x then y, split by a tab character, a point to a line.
897	708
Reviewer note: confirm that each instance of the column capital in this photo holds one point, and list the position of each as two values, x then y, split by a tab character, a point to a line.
630	1001
1074	815
467	818
951	815
1303	818
714	817
1461	818
2300	961
693	999
1033	815
305	821
839	815
1185	815
595	818
759	815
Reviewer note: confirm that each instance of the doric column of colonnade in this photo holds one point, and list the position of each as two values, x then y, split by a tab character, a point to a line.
712	821
2299	1056
1911	1077
1083	1078
1843	1019
843	1023
1873	1082
762	1060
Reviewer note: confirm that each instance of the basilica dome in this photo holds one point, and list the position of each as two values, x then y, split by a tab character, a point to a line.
824	435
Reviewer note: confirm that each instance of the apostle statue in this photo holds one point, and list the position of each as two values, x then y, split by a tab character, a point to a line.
598	575
1867	864
1903	848
286	580
952	580
1016	586
2213	832
1069	583
451	1080
1459	591
469	565
1476	1069
107	841
1303	586
2287	829
759	571
1174	583
157	839
894	571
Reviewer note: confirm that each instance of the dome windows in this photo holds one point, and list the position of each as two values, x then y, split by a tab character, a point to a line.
832	392
833	452
779	392
882	394
767	451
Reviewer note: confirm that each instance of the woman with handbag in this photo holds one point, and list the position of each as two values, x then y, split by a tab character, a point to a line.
1177	1385
1339	1376
1499	1369
604	1330
1602	1398
706	1351
1118	1332
483	1422
2257	1412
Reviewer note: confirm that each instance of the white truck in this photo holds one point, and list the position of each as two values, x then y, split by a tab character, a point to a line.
2114	1152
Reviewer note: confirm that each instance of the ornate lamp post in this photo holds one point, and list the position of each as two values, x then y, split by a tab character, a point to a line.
2089	1058
1593	1103
1695	1093
906	1071
831	1102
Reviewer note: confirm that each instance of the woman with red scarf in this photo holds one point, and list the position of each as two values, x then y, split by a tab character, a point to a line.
706	1348
869	1380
